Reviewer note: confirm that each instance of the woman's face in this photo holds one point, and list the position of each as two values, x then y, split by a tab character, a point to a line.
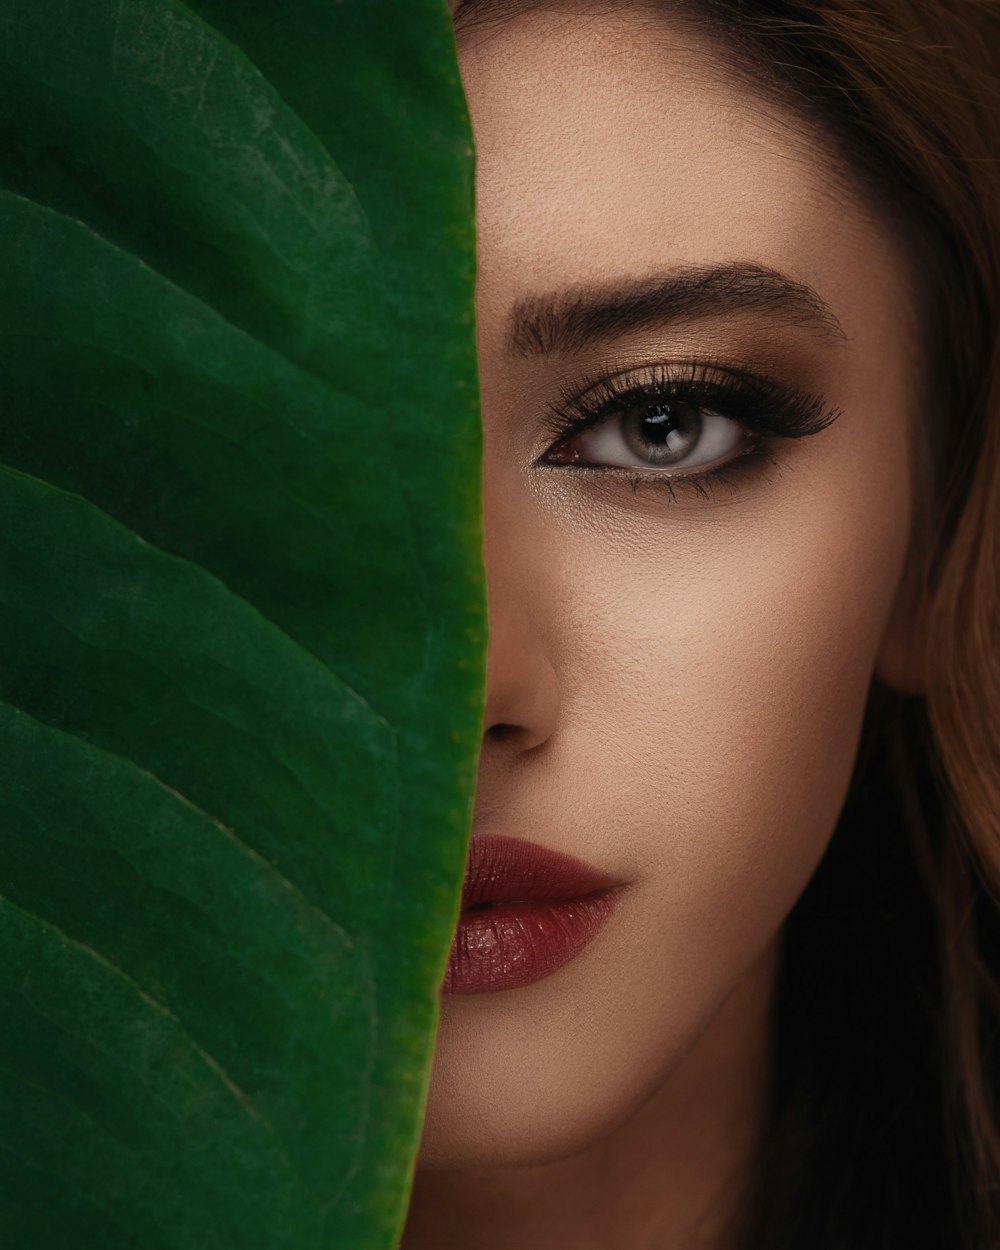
678	664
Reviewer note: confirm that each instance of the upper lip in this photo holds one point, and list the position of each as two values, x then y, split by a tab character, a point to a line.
501	870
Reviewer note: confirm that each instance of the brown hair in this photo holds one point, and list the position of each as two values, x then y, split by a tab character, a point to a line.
886	1123
886	1116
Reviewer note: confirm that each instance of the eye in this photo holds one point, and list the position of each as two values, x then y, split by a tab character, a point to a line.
646	432
681	424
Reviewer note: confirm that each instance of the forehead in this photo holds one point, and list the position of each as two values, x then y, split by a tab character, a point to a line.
612	140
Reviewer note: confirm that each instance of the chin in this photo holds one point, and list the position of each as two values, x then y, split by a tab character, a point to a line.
511	1135
542	1073
521	1078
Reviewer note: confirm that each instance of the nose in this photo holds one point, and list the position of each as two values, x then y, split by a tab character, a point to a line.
522	689
521	697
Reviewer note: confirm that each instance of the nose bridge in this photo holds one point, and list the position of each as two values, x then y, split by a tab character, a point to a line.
521	682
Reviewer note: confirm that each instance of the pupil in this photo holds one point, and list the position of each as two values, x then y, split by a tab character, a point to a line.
661	423
662	432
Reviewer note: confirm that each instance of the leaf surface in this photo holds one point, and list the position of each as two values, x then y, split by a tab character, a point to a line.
242	612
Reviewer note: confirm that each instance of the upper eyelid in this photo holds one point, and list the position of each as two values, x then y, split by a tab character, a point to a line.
736	383
571	399
694	372
645	378
648	391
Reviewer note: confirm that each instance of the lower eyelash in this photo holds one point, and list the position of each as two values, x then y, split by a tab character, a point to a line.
706	485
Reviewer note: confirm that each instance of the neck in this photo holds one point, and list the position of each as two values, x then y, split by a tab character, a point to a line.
676	1175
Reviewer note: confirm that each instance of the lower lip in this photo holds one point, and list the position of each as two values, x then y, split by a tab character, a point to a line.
514	944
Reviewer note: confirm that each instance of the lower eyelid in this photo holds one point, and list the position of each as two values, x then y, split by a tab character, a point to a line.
751	443
730	475
704	483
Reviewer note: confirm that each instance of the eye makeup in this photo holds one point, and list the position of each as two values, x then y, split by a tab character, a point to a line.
661	398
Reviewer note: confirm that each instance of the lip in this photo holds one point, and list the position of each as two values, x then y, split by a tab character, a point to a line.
526	911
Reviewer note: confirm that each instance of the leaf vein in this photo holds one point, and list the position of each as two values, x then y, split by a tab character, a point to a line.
238	1094
223	828
214	578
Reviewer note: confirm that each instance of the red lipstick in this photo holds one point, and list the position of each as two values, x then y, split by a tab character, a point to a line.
526	911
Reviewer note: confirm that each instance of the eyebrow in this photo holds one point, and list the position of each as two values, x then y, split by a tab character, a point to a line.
576	318
474	11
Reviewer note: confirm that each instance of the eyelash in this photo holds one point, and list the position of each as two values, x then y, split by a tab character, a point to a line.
769	410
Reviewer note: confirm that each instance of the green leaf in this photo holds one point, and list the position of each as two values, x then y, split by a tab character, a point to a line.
242	612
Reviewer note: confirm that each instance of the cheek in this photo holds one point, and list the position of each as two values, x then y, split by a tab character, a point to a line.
729	687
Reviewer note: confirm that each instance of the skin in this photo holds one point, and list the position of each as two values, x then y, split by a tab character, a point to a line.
676	686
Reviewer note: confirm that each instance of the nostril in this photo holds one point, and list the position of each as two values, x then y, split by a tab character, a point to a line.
501	732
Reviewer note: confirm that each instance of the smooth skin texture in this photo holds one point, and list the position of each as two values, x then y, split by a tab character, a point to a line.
676	685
